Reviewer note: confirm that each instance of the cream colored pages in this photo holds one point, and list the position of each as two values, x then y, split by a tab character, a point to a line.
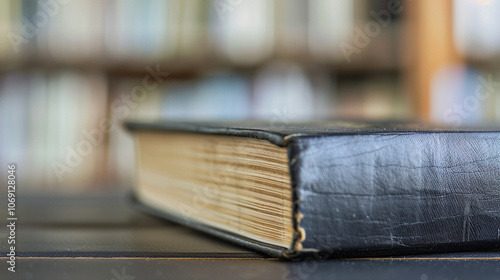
237	184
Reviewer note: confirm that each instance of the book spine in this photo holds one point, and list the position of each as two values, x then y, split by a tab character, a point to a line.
378	194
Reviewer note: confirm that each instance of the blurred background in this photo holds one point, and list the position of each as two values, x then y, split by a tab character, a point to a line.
71	71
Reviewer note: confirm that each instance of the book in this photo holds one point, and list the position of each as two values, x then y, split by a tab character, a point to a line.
141	32
330	24
471	22
242	32
282	92
11	45
291	23
60	39
324	188
458	86
73	154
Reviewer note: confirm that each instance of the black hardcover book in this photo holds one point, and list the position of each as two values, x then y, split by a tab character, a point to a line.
325	189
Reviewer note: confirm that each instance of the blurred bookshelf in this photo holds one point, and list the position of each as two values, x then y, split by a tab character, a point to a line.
67	66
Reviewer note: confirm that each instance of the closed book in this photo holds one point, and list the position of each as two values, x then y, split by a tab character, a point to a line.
325	188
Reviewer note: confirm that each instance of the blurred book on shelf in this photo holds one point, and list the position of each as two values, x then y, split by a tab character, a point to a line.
242	31
284	91
474	28
9	13
141	31
48	125
72	36
330	24
372	97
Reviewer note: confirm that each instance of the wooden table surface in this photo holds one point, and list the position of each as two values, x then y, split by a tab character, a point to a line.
100	236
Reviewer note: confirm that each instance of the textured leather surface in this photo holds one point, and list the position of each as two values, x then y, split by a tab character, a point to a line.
383	188
281	132
399	192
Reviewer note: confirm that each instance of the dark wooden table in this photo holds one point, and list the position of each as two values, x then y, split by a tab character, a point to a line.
100	236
